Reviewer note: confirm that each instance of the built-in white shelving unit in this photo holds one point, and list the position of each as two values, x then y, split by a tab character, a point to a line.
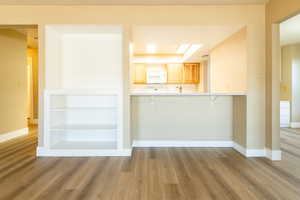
83	99
82	121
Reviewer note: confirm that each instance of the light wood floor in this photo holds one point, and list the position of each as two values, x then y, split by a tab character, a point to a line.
150	174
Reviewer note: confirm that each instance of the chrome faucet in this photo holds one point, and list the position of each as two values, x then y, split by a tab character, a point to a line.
180	88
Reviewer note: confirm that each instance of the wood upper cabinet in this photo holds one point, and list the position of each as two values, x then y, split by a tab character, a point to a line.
191	73
140	74
175	73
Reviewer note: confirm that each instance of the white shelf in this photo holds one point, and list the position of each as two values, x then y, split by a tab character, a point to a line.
80	127
81	108
82	124
83	145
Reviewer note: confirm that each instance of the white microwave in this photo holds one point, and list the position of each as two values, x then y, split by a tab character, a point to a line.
156	76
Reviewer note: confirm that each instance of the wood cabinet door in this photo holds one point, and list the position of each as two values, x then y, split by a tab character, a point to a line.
175	73
191	73
140	74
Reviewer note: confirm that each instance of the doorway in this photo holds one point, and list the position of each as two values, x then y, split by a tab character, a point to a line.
19	80
290	87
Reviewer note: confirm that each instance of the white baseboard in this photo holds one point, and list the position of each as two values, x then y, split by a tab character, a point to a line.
249	152
13	134
273	155
42	152
177	143
240	149
256	153
295	125
181	143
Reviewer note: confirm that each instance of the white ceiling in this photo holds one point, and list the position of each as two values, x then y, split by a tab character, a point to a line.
128	2
290	31
169	38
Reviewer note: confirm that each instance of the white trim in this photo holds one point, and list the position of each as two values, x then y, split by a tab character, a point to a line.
249	152
181	143
193	143
13	134
273	155
256	153
240	149
295	124
43	152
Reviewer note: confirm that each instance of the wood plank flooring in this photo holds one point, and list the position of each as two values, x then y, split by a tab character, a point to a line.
150	174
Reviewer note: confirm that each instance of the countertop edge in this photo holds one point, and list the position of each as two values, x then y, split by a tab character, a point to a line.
189	94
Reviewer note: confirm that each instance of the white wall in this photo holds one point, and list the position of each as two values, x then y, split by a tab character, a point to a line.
91	61
83	56
181	118
52	58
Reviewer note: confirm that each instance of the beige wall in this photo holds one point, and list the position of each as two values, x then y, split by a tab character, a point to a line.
252	16
290	83
181	118
286	63
13	81
295	107
228	63
34	54
276	12
239	120
229	73
290	55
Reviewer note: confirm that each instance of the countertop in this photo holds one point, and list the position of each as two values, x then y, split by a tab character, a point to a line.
184	93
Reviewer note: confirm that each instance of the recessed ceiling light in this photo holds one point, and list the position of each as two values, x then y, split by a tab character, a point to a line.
151	48
182	48
192	50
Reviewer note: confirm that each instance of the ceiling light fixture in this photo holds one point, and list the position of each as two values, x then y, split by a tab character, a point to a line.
182	48
151	48
192	50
